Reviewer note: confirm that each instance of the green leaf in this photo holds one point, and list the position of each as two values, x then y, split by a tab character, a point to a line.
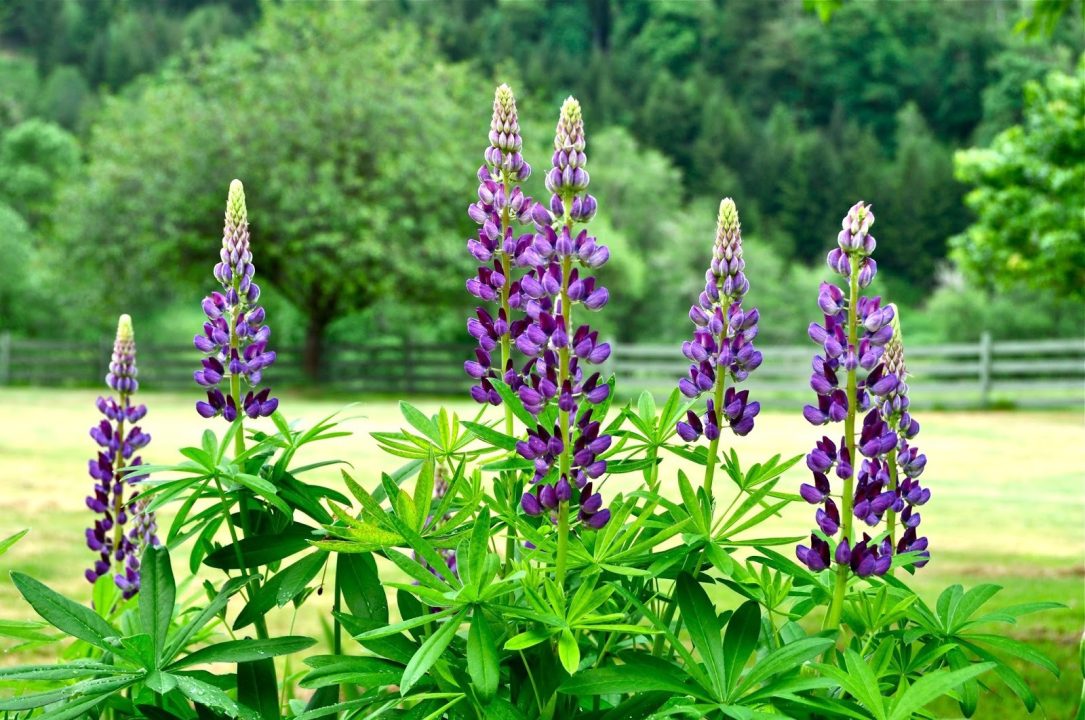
421	423
740	640
493	437
264	488
241	651
211	697
932	686
857	686
64	614
568	651
67	671
298	576
969	603
783	659
704	629
430	652
98	687
157	595
1018	649
211	610
7	542
483	663
332	670
361	587
527	639
261	549
258	688
478	547
644	674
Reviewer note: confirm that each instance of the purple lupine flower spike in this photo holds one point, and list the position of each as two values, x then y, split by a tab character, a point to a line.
906	463
722	344
501	204
235	338
119	438
560	352
868	474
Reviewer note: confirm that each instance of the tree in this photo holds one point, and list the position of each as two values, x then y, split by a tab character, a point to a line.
35	158
1029	196
356	144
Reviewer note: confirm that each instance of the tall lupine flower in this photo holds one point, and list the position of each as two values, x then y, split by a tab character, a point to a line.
561	353
722	344
853	338
234	338
501	203
119	439
904	460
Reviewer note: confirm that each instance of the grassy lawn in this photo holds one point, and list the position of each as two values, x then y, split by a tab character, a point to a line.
1008	503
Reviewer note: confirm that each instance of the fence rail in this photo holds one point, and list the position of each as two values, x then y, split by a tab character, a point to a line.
1032	373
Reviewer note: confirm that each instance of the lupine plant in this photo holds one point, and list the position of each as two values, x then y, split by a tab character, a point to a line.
125	526
480	575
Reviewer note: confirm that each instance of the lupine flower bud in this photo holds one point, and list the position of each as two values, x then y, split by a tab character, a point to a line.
234	337
722	344
119	439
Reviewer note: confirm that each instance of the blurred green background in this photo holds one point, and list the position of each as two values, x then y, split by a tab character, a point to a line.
357	128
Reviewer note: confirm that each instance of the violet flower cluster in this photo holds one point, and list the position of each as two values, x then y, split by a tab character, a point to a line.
561	353
501	202
234	338
119	438
722	343
907	462
853	338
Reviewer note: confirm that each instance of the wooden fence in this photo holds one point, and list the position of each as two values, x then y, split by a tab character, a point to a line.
1031	373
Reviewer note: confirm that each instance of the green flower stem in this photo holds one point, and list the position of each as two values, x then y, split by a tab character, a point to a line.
565	461
832	619
118	498
891	459
714	444
506	353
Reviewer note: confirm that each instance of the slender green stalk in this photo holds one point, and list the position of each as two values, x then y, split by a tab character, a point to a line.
565	460
832	619
714	444
891	459
118	498
506	351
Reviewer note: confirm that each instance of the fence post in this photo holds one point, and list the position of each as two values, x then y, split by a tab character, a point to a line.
985	369
5	357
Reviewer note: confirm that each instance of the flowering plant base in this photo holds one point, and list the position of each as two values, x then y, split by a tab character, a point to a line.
493	570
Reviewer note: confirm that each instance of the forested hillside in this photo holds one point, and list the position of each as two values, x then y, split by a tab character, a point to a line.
121	122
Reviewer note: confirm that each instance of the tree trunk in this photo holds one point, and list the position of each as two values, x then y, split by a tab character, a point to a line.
312	355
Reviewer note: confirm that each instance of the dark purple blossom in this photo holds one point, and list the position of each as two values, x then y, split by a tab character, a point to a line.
499	250
722	344
119	439
561	354
234	338
850	376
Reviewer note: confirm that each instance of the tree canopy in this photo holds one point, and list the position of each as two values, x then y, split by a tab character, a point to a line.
1029	196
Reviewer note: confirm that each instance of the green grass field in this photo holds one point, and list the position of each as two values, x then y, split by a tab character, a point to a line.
1008	504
